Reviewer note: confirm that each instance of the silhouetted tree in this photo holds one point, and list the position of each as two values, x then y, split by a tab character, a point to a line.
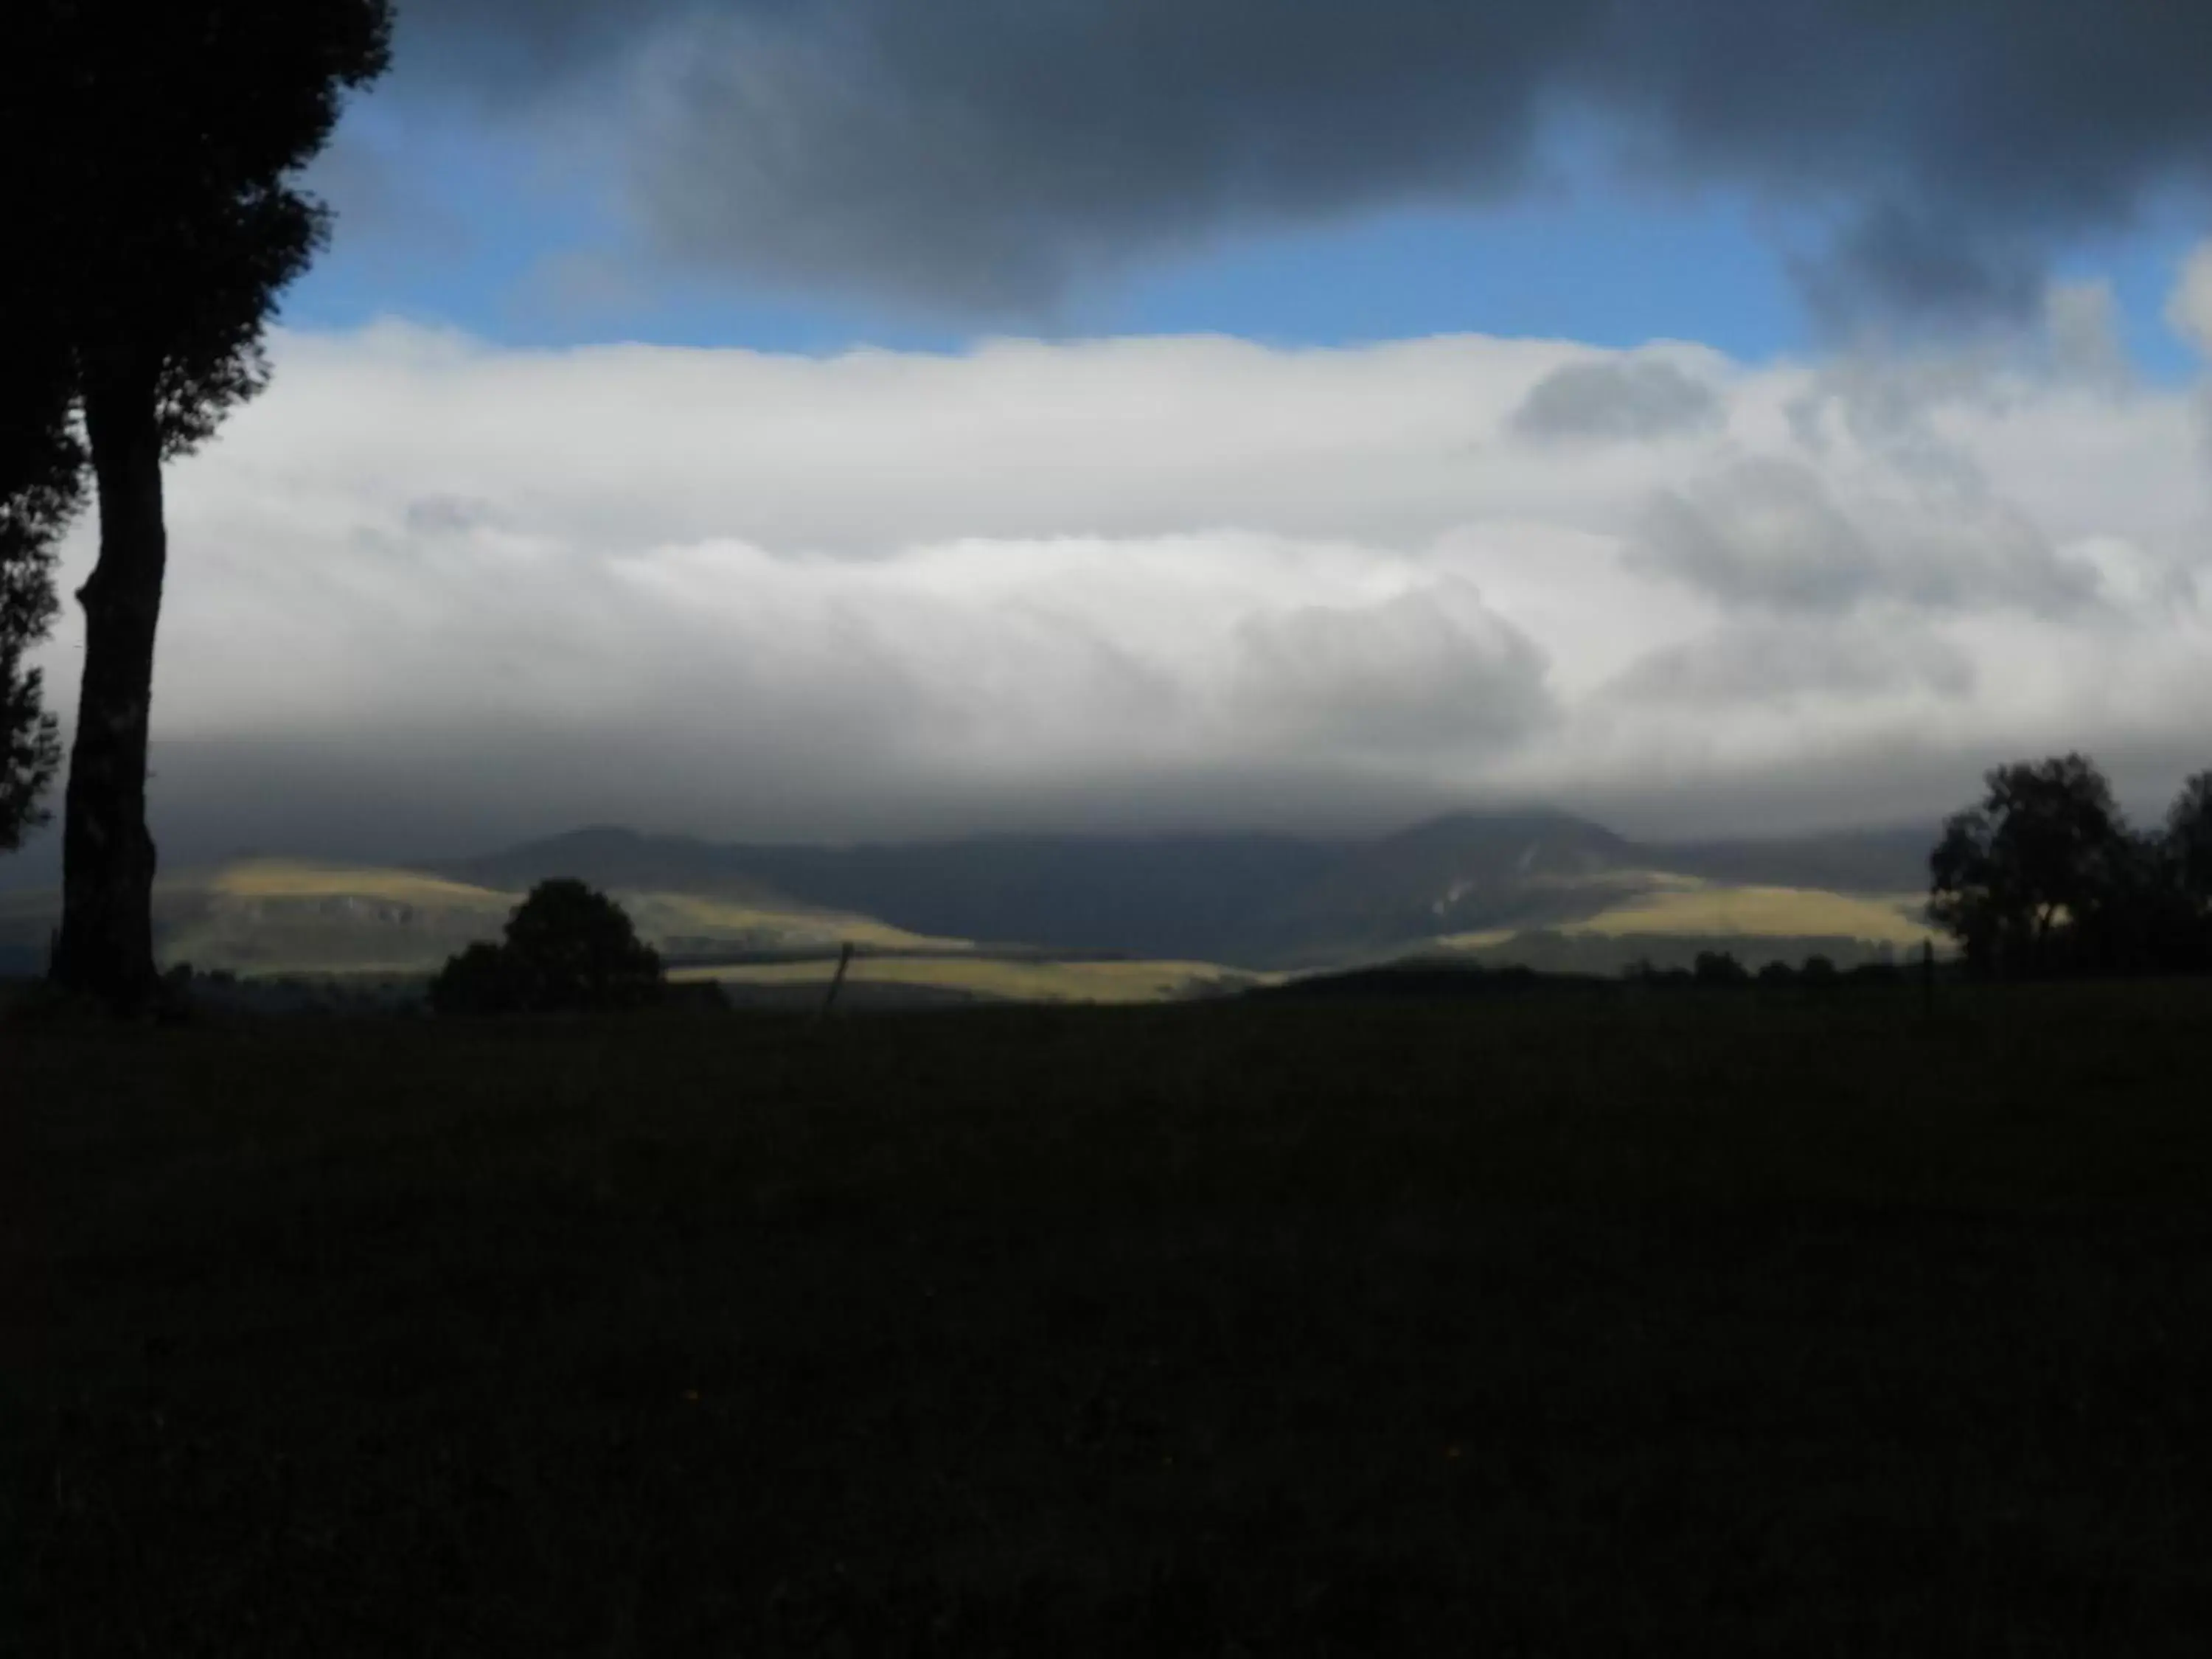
149	193
2188	841
41	474
576	949
2045	847
1718	968
2046	876
568	946
2189	870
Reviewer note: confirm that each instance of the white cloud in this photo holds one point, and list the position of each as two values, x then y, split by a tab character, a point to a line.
1150	581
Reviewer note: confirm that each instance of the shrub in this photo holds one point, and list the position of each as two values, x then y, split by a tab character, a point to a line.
567	947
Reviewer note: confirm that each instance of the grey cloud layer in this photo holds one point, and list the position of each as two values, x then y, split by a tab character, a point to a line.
983	155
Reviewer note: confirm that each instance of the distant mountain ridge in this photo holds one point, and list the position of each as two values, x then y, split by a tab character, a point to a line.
1170	896
1250	899
1539	887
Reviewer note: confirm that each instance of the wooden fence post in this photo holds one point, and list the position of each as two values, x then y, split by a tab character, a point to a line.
837	980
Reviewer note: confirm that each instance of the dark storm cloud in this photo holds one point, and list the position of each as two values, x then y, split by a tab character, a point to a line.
1896	262
981	153
1620	400
505	49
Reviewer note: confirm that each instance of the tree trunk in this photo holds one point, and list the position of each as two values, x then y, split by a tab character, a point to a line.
106	943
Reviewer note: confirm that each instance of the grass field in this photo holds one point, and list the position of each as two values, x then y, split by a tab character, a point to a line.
1579	1321
1005	978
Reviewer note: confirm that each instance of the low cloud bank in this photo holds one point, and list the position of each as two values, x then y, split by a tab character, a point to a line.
446	593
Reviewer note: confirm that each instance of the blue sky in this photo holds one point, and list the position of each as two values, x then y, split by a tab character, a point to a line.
456	219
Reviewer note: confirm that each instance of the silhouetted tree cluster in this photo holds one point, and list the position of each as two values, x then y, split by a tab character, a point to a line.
149	160
2046	877
568	946
1720	969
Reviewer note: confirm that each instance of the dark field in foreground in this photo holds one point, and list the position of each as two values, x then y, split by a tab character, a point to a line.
1594	1322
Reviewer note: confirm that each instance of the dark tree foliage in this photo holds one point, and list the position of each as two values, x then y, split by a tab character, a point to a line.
1718	968
150	194
2040	850
567	947
41	486
481	979
2188	841
2045	877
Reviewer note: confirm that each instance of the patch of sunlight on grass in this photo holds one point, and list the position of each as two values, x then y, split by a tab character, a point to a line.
684	915
1761	912
1481	941
1016	981
285	879
287	916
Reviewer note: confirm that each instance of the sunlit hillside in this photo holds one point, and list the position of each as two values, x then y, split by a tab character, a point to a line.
1009	979
1687	905
1674	904
271	916
285	880
1064	921
683	924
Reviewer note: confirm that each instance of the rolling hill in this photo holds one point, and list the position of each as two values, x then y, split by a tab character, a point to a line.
1168	895
279	916
1017	915
1468	881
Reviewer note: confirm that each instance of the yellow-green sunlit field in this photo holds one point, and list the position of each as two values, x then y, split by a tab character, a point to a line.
1011	979
1684	906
